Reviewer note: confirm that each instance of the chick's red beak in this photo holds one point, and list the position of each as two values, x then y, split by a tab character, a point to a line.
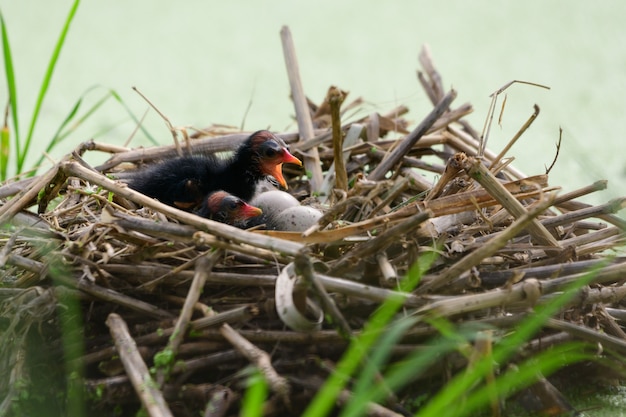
247	211
276	170
288	158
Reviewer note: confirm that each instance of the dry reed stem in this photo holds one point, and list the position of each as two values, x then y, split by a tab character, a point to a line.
440	207
491	112
24	198
186	234
334	212
329	180
11	188
235	315
400	185
430	283
596	186
261	360
527	293
605	275
367	292
576	205
115	297
486	265
610	324
5	252
451	116
202	269
517	135
434	87
392	159
588	296
464	142
570	219
380	242
305	125
453	167
335	98
611	207
219	229
303	267
482	175
501	277
387	270
323	135
145	387
607	341
333	284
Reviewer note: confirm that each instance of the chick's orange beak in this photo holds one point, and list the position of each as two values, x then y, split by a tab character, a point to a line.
276	170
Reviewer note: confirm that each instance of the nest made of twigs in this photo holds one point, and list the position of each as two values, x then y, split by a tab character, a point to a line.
151	278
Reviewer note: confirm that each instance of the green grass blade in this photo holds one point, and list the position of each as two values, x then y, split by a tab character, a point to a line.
70	123
463	382
65	129
44	86
58	137
325	399
11	84
135	118
255	396
367	379
412	367
352	358
544	363
400	374
5	148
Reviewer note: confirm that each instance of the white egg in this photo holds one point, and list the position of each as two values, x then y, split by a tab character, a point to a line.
274	202
295	219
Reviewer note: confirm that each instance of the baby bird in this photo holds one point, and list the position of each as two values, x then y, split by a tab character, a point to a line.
226	208
185	181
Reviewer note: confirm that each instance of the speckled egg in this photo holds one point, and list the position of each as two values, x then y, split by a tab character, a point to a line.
295	219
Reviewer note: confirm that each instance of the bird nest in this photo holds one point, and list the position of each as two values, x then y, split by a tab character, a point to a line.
113	283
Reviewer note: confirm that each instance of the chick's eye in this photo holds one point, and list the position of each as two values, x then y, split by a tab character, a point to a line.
270	150
270	153
232	205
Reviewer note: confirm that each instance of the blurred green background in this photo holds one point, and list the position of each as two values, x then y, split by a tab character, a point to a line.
204	62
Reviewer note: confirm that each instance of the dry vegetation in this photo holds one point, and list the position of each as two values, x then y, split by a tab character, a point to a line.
151	278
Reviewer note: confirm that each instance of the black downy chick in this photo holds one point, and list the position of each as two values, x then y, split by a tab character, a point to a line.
184	181
226	208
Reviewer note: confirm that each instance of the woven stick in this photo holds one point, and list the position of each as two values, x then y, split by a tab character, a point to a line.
305	124
394	157
145	387
481	174
203	267
335	98
493	245
219	229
